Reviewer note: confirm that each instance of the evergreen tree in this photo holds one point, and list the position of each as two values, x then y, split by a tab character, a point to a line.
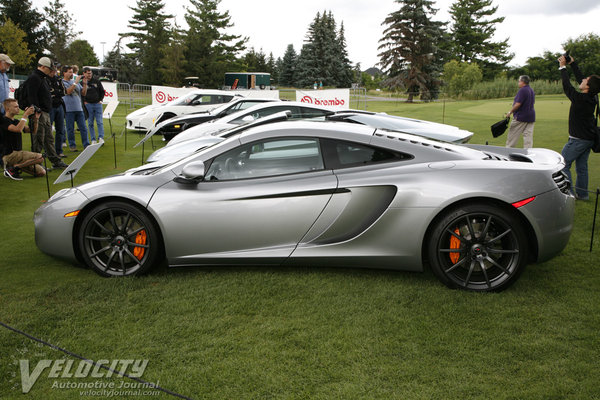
255	61
287	70
409	52
61	32
12	41
343	73
472	30
150	35
323	56
210	51
173	63
30	21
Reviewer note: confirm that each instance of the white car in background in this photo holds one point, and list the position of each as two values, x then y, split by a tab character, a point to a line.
199	100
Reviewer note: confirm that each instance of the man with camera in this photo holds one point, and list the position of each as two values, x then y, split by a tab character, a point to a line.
74	90
582	123
523	115
38	94
14	158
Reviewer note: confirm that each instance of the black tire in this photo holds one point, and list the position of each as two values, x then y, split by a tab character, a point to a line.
478	247
119	239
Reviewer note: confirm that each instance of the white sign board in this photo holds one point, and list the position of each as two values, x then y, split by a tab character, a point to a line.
13	84
165	94
110	92
334	98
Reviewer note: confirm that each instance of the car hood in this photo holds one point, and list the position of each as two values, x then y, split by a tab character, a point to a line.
144	110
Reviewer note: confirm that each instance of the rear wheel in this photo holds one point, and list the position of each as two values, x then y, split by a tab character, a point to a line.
478	247
118	239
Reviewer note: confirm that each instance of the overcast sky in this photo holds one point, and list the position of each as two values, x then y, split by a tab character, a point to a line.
532	26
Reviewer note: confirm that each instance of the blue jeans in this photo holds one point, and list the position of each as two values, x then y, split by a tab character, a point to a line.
79	117
95	112
57	117
578	150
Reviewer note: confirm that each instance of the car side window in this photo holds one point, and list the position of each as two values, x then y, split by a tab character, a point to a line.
313	113
343	154
267	158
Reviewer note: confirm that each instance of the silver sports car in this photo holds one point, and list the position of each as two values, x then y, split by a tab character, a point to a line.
323	193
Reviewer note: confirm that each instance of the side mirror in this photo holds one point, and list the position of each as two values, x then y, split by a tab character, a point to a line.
248	118
192	173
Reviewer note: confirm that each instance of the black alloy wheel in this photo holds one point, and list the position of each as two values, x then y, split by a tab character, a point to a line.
118	239
478	247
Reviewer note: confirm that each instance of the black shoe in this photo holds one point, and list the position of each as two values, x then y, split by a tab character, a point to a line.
60	165
12	173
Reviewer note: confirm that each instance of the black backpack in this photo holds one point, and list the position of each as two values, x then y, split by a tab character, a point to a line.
21	95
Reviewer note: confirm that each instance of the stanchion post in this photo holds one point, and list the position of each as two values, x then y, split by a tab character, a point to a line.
594	219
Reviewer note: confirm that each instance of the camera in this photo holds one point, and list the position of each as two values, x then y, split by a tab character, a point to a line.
36	108
568	58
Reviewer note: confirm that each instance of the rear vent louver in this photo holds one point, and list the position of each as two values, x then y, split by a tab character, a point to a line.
401	139
563	184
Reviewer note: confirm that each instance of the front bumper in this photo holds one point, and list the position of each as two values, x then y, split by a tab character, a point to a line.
53	231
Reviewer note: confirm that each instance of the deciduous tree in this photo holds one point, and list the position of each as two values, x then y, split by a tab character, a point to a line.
30	21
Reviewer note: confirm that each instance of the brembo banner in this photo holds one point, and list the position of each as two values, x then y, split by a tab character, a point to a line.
165	94
110	92
13	84
334	98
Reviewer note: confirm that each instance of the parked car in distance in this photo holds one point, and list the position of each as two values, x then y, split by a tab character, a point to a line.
307	193
195	101
170	127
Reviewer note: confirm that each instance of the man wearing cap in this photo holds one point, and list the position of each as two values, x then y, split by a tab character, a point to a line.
5	63
38	94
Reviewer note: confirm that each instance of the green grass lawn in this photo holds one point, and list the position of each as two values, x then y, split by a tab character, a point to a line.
260	332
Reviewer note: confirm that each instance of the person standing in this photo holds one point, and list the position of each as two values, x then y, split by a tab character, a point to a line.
74	107
93	102
523	115
57	113
5	63
38	94
582	124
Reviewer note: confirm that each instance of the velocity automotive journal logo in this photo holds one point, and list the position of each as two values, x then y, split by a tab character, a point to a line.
69	374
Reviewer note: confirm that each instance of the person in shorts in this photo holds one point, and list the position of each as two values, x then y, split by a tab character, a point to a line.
14	158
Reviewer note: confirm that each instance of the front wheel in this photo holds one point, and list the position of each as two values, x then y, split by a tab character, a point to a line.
479	248
118	239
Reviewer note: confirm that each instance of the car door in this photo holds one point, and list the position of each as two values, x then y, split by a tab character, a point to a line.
256	201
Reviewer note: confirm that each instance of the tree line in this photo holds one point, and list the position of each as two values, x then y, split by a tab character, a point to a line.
418	54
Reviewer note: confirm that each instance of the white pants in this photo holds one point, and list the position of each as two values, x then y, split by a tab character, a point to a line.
518	128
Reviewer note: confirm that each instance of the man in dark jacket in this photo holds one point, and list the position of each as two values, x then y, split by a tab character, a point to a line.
38	94
582	124
57	113
93	102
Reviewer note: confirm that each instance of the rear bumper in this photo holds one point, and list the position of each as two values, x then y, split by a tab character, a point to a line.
551	216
